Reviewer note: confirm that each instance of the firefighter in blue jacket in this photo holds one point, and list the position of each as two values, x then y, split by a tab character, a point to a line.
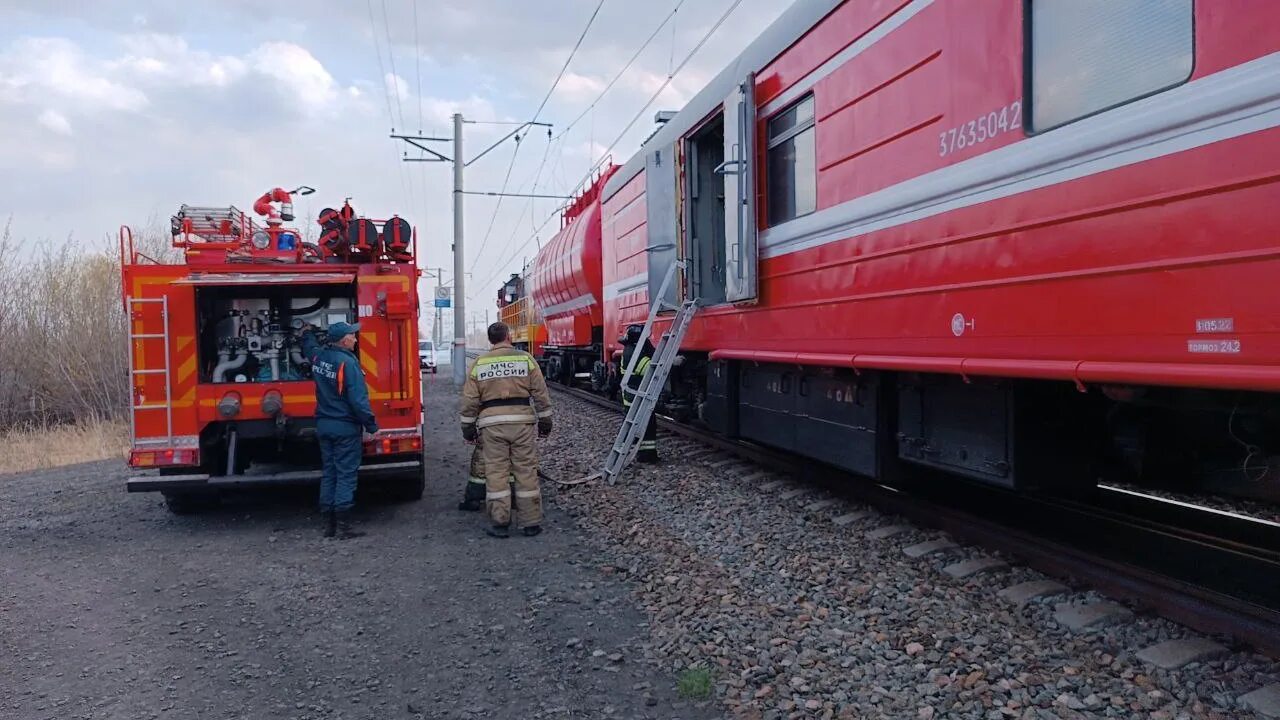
648	452
343	421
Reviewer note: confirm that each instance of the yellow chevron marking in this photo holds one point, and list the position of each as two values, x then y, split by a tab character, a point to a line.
185	370
370	339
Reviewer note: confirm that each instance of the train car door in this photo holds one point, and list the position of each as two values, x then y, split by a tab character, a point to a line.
660	201
741	257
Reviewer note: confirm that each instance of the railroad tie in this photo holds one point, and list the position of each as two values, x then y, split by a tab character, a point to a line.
976	566
1172	654
888	531
930	547
1023	593
1089	615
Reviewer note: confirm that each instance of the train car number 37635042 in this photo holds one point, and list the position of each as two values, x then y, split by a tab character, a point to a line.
981	129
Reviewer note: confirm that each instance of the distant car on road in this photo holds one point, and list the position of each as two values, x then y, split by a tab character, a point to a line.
427	356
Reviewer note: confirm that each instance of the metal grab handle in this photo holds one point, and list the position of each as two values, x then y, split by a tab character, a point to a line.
724	168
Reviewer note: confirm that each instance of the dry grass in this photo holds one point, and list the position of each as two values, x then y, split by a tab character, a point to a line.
40	448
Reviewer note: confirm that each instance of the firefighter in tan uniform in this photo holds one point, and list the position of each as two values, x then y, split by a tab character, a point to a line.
496	408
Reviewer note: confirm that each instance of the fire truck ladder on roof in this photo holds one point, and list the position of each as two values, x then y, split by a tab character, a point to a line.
645	398
137	401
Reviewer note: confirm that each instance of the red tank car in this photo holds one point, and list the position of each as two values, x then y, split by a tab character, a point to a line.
1022	242
566	287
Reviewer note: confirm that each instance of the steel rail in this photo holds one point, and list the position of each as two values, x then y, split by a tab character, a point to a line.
1216	583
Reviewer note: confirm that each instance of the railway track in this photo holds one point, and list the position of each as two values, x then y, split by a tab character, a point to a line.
1209	570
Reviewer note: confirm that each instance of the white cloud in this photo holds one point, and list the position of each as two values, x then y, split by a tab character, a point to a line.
396	87
574	87
158	59
55	122
296	71
40	69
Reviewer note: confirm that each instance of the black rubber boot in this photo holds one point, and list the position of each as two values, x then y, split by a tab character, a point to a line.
532	530
498	531
330	524
471	505
345	531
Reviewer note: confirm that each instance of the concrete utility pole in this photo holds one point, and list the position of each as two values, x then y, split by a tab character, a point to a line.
459	258
459	355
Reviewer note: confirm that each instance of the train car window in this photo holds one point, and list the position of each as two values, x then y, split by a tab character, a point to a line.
792	173
1087	56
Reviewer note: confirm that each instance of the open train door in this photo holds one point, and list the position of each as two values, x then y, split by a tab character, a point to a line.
660	201
741	252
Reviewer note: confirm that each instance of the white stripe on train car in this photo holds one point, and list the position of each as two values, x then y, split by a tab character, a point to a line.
577	303
631	284
1228	104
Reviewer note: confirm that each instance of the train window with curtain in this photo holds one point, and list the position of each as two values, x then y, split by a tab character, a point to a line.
792	172
1086	56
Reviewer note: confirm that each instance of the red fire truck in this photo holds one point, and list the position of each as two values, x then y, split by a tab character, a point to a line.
221	395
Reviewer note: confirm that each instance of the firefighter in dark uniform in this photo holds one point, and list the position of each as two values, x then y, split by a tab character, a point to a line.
343	421
648	452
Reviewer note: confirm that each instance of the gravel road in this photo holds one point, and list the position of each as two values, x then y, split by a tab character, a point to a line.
110	607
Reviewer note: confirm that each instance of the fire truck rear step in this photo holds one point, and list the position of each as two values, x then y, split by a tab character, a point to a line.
196	481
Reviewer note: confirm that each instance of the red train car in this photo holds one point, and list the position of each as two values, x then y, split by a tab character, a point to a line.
565	284
1011	240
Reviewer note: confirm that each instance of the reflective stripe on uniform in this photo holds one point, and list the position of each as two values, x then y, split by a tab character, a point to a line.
544	413
500	419
497	495
528	493
642	365
488	360
648	444
466	419
476	480
527	359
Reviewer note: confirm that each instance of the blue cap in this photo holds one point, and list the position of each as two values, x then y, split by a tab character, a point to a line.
339	330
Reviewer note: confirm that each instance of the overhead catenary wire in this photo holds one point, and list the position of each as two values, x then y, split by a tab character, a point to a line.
395	76
618	76
605	154
382	77
667	83
551	91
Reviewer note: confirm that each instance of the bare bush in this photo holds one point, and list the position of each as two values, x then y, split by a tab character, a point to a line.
62	335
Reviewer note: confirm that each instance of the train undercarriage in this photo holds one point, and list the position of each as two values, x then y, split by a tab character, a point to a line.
1024	435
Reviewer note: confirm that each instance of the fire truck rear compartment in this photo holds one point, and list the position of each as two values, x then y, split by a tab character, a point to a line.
250	333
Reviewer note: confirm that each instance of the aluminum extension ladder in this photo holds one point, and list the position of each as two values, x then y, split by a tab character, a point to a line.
645	398
136	406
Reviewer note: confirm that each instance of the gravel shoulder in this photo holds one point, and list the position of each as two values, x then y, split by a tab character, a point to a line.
112	608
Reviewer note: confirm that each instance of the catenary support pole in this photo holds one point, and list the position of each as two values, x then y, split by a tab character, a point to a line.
459	277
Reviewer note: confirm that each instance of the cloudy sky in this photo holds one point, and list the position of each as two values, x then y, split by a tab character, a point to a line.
111	115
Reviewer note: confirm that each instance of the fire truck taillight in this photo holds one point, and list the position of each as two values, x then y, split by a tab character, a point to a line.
229	405
164	458
393	445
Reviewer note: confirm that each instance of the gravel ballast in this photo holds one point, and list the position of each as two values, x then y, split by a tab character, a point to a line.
801	608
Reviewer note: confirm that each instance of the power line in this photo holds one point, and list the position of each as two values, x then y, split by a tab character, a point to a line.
391	58
564	68
685	61
625	68
417	62
707	36
382	77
